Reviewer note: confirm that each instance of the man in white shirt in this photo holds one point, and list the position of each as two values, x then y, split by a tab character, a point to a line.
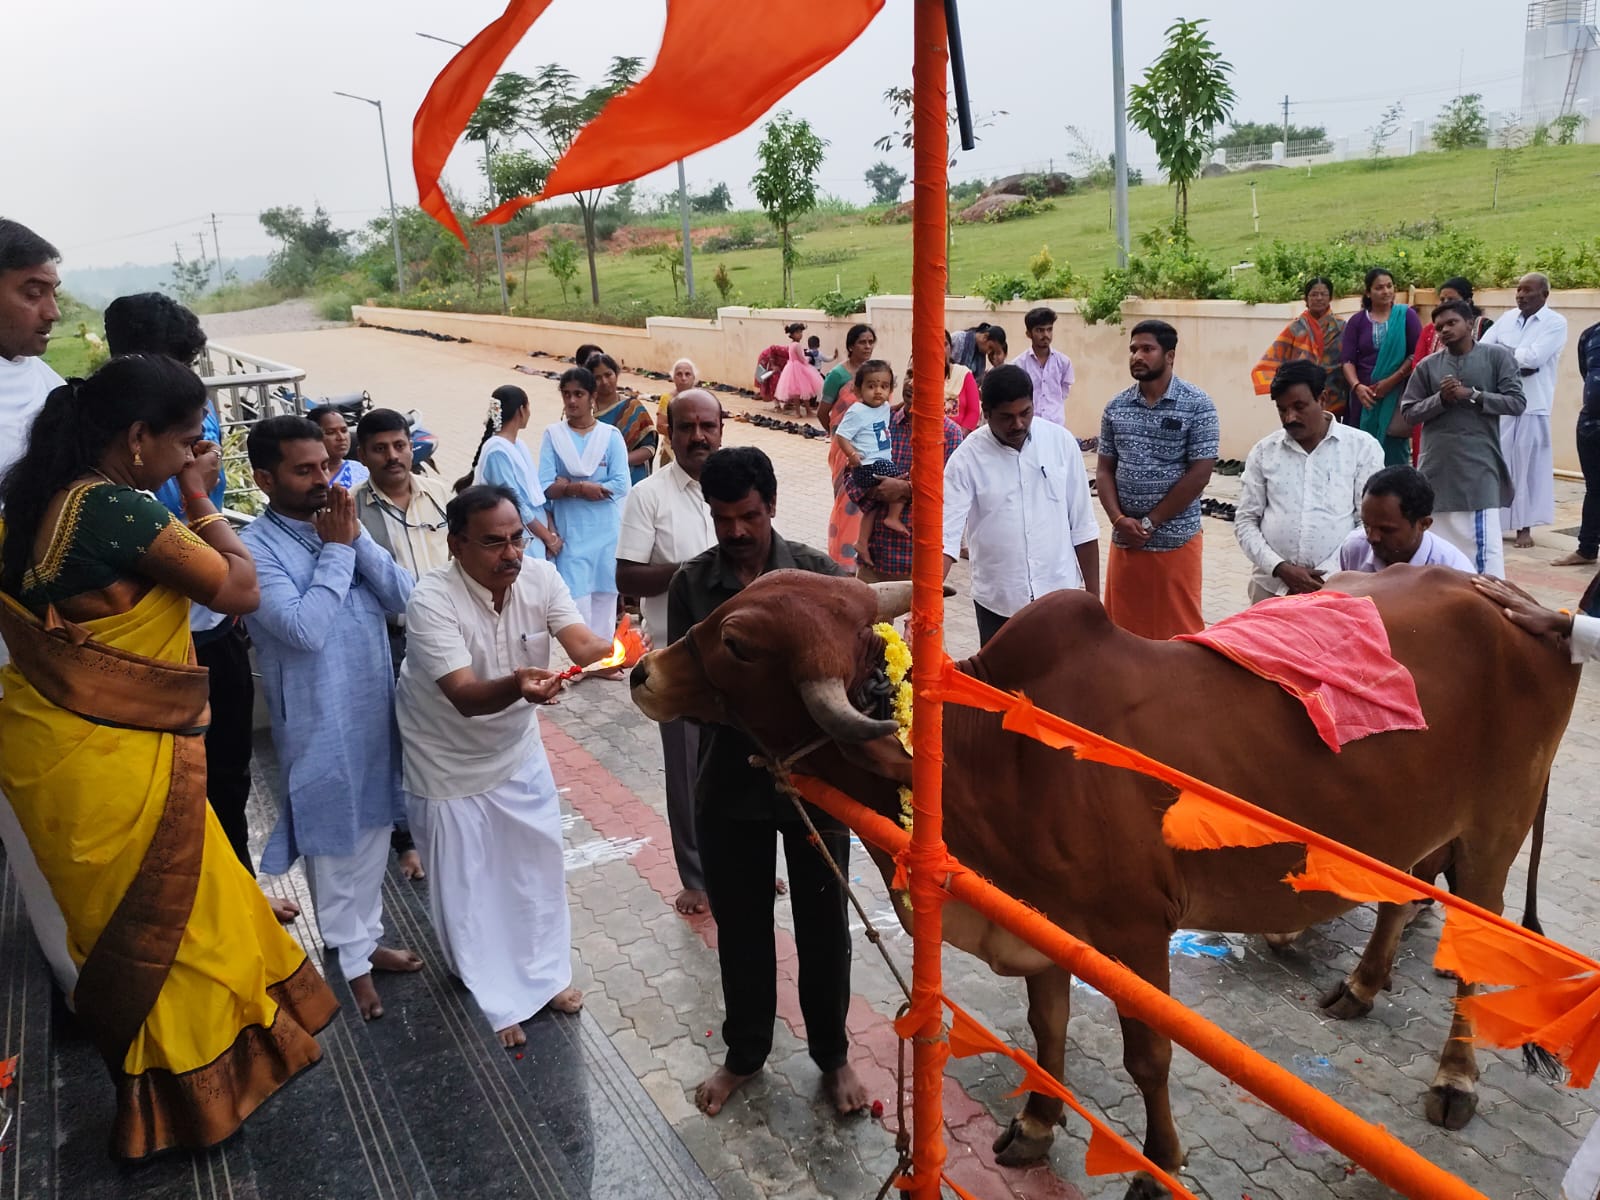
28	283
665	523
481	801
1014	488
1535	334
1300	494
1396	510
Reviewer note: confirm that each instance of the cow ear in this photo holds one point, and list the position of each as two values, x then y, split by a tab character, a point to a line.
894	599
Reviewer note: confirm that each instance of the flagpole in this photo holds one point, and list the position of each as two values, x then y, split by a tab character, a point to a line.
930	275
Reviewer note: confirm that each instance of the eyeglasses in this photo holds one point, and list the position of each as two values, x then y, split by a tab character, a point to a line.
495	544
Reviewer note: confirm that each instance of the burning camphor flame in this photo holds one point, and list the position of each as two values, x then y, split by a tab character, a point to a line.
627	647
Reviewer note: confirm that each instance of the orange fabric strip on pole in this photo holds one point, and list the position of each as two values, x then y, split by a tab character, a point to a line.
449	103
1377	1151
927	855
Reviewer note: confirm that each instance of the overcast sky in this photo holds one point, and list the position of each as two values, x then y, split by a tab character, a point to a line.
122	124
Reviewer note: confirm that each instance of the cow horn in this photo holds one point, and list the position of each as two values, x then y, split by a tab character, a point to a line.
894	599
830	708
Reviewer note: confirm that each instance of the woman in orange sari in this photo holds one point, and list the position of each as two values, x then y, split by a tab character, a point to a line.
200	1004
1315	334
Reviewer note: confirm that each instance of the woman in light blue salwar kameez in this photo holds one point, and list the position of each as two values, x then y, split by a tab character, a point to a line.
583	470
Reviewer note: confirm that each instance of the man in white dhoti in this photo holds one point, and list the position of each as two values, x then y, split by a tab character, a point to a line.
1535	334
479	794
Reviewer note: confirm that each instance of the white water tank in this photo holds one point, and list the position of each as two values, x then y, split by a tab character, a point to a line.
1560	60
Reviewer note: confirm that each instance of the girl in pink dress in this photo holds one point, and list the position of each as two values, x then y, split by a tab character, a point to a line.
800	383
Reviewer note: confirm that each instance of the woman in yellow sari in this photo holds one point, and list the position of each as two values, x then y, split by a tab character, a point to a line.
200	1004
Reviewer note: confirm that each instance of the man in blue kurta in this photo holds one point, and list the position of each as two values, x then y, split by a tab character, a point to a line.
323	649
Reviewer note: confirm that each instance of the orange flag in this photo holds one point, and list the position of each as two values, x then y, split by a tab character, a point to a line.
721	66
453	97
1328	872
1022	717
1483	953
1195	823
1562	1017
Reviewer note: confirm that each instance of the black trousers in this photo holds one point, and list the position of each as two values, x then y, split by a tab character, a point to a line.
233	696
988	624
1589	460
740	859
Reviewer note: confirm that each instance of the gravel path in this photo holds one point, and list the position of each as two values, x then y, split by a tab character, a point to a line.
292	316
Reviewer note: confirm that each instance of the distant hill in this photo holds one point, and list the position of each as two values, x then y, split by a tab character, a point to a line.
101	285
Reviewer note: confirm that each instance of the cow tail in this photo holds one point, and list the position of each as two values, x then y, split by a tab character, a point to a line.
1535	1058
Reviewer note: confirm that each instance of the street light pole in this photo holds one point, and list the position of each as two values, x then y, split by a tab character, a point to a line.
394	215
1119	121
488	175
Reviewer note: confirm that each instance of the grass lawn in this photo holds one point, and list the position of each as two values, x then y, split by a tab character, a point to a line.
1549	195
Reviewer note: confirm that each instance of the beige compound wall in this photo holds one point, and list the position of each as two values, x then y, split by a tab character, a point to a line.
1218	342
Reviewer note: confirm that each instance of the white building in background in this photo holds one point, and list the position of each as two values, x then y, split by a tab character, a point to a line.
1560	62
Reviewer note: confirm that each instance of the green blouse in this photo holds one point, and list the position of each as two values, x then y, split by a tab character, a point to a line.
103	530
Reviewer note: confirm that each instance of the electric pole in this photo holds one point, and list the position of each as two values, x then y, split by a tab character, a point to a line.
1286	124
217	246
201	238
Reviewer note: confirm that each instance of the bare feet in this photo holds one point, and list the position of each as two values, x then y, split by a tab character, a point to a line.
713	1093
411	865
844	1090
284	909
780	887
896	524
1524	539
569	1001
1573	560
367	1002
512	1036
863	555
385	958
691	901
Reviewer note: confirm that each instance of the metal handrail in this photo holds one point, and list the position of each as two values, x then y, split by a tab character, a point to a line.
1542	13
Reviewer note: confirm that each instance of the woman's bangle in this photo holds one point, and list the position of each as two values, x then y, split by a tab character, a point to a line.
200	523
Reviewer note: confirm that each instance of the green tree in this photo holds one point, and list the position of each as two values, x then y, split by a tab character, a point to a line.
549	109
885	182
1263	133
718	200
561	260
723	281
785	185
1385	129
310	249
1184	97
669	258
1462	124
902	104
190	278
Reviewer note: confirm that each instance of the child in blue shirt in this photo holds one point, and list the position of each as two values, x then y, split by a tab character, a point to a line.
862	436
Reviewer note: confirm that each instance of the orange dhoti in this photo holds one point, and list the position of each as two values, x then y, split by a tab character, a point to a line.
1156	593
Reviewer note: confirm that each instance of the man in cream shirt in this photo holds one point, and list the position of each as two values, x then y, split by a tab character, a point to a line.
28	283
1018	491
665	523
479	794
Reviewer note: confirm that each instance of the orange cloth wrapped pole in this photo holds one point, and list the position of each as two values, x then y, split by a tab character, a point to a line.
925	861
1377	1151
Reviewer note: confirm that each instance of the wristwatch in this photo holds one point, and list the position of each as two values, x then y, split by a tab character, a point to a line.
1146	524
1476	399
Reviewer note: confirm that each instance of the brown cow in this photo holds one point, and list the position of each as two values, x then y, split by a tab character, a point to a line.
794	654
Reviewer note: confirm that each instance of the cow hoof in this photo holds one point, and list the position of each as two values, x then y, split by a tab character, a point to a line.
1340	1003
1016	1147
1450	1106
1145	1188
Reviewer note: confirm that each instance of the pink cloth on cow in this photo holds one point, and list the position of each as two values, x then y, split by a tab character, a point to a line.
1330	652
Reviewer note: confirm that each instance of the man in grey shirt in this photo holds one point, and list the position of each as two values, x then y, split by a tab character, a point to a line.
1460	394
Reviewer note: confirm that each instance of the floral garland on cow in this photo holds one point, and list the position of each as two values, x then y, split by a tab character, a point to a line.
897	667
